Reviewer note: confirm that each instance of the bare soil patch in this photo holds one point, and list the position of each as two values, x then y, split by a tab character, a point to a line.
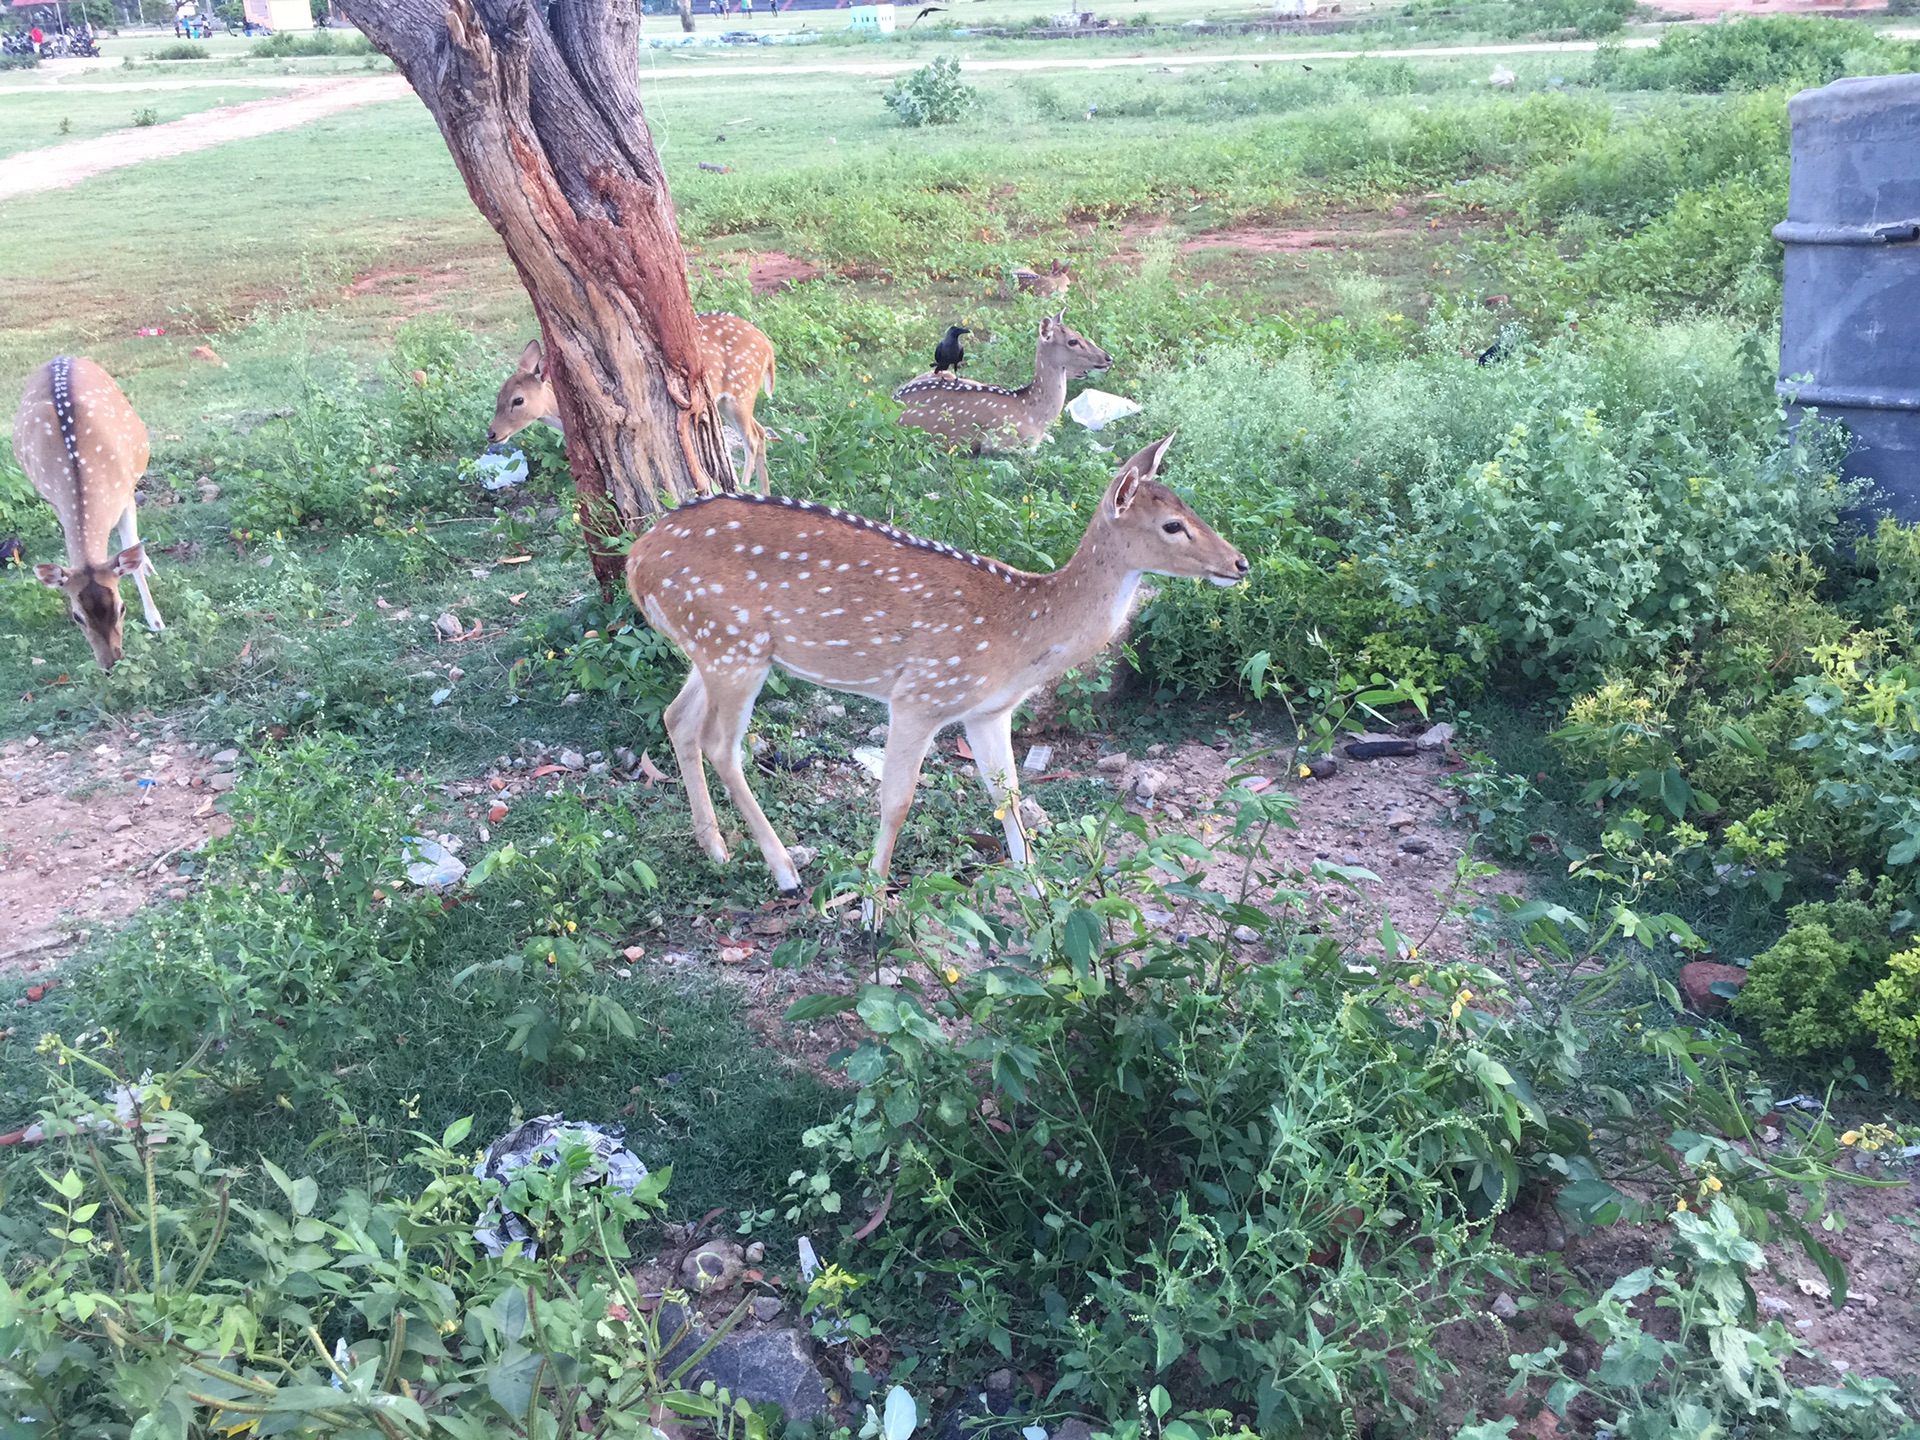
84	844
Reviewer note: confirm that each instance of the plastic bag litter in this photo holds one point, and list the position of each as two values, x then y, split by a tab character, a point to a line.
538	1142
501	469
1096	409
429	863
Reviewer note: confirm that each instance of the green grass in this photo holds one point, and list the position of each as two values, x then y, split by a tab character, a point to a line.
35	118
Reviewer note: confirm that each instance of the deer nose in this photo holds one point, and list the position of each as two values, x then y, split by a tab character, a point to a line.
1240	564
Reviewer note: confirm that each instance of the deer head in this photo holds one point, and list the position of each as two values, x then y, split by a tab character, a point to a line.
93	599
1067	351
526	397
1142	527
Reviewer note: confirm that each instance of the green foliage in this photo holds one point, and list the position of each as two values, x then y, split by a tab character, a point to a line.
288	44
146	115
1890	1013
932	95
1802	991
1756	53
605	648
1499	807
295	928
22	511
181	50
158	1298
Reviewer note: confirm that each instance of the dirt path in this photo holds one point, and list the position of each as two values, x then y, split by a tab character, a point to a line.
57	167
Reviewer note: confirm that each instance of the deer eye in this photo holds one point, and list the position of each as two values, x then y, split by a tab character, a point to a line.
1174	527
518	401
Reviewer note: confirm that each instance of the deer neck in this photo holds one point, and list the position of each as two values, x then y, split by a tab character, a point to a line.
1045	396
1085	601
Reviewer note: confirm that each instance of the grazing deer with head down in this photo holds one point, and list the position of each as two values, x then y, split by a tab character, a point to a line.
992	417
743	583
738	361
85	449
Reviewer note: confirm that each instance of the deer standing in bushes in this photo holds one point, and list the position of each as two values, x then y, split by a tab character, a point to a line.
738	361
743	583
992	417
85	450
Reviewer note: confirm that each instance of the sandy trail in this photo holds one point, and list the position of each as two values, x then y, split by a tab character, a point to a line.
56	167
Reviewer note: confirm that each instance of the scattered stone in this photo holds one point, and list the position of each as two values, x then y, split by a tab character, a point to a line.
716	1265
496	812
1246	934
1436	737
225	780
226	757
1504	1307
766	1307
1697	979
1323	767
573	759
1401	820
448	627
1038	758
1774	1305
1032	817
119	823
1074	1429
834	712
207	490
1416	845
1149	783
634	952
1502	78
1000	1382
886	975
802	856
1154	752
756	1252
1379	747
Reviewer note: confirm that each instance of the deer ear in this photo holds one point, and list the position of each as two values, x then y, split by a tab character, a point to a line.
531	360
54	575
129	560
1047	322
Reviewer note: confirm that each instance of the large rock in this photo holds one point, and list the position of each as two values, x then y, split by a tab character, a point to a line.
766	1367
1697	979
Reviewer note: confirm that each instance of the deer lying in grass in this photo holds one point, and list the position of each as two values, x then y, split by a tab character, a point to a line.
743	583
992	417
85	449
738	360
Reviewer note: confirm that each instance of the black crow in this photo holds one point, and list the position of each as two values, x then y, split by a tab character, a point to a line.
948	355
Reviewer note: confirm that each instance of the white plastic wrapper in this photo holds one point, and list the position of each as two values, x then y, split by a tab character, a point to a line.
538	1142
1096	409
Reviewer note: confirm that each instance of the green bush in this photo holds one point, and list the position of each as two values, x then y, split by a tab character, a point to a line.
287	44
932	95
1802	992
1755	53
181	50
1890	1013
161	1294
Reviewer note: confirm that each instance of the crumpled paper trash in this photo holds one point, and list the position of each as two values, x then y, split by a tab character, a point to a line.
538	1142
1096	409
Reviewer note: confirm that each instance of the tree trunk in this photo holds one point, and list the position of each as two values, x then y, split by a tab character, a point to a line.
540	107
686	16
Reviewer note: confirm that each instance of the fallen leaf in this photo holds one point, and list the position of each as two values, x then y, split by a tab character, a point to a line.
513	559
516	599
735	955
246	649
962	749
649	771
548	770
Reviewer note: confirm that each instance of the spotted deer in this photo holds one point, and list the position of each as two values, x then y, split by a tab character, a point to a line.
742	583
992	417
85	449
738	361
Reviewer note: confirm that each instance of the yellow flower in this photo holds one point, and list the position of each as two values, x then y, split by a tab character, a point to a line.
1001	813
1413	952
1852	1137
953	975
571	927
1465	995
1305	770
1416	980
1713	1183
551	959
1682	1203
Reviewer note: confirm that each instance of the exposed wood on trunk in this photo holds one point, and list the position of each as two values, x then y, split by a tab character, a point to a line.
542	115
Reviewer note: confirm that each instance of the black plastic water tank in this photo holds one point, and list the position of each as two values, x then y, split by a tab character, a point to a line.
1850	331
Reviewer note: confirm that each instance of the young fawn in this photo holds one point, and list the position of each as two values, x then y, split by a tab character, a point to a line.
85	449
743	583
992	417
739	364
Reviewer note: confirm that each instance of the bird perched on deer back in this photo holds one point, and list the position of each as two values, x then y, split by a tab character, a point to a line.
948	355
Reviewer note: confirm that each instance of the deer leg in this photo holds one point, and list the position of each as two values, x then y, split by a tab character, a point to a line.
908	737
729	709
991	739
129	537
729	409
685	718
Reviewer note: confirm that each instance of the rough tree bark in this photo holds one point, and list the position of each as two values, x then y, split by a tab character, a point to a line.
686	16
540	106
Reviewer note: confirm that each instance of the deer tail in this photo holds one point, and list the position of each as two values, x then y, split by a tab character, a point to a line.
767	379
